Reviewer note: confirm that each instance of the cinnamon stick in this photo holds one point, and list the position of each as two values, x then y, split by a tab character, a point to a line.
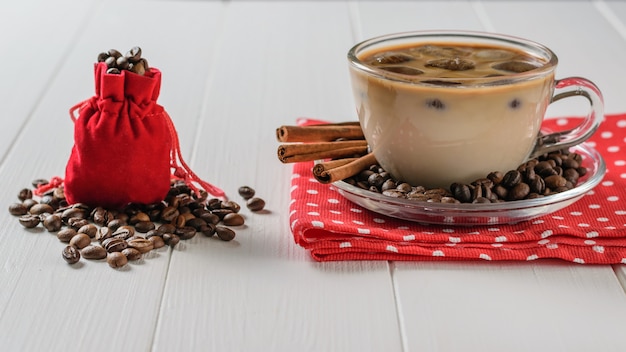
337	170
319	133
286	153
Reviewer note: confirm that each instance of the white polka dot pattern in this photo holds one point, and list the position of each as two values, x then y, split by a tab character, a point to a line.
590	231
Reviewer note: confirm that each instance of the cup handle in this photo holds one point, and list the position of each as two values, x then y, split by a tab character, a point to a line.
569	87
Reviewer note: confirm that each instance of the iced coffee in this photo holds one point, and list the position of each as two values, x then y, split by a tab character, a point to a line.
437	113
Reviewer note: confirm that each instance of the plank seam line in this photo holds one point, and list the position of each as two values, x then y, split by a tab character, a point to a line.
398	304
158	320
483	17
620	276
207	87
611	17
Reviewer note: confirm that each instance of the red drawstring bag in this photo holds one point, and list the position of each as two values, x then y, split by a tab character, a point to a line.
126	148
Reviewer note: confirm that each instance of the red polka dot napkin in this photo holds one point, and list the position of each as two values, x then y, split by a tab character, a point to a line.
590	231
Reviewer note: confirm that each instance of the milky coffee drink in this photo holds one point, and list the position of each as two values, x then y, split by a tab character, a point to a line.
438	113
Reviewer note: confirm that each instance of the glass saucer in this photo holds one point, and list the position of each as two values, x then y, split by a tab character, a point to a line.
480	214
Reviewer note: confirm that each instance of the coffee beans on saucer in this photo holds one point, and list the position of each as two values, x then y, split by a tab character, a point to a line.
124	235
546	175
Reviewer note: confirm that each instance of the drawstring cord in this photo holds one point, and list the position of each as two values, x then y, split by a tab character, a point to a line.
182	171
54	182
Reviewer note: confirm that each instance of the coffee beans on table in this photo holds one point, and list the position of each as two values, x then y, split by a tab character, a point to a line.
122	235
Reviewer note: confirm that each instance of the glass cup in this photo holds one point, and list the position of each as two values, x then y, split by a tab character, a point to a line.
441	113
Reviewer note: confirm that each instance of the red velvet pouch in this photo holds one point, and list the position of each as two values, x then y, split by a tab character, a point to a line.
126	148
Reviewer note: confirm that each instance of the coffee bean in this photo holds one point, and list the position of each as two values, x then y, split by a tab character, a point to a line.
196	223
169	213
571	175
80	241
124	232
134	54
24	194
233	219
511	179
166	228
122	63
52	223
111	62
179	221
537	185
28	203
519	191
103	233
29	221
555	181
139	67
255	204
40	208
171	239
138	217
185	232
391	193
495	177
71	255
93	251
18	209
115	224
89	229
388	185
404	187
500	191
114	244
157	242
73	213
114	53
225	233
542	166
100	216
132	254
144	226
230	205
246	192
141	244
462	192
77	223
208	230
221	212
65	235
116	260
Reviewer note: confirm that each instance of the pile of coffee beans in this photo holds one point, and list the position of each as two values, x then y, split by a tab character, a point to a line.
132	61
543	176
127	234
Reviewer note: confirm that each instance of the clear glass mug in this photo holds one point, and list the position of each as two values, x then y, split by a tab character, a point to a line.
435	131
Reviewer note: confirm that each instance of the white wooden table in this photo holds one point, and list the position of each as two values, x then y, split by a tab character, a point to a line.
233	71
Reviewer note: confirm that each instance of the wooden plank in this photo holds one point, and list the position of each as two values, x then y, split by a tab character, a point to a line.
547	306
261	292
33	42
91	306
